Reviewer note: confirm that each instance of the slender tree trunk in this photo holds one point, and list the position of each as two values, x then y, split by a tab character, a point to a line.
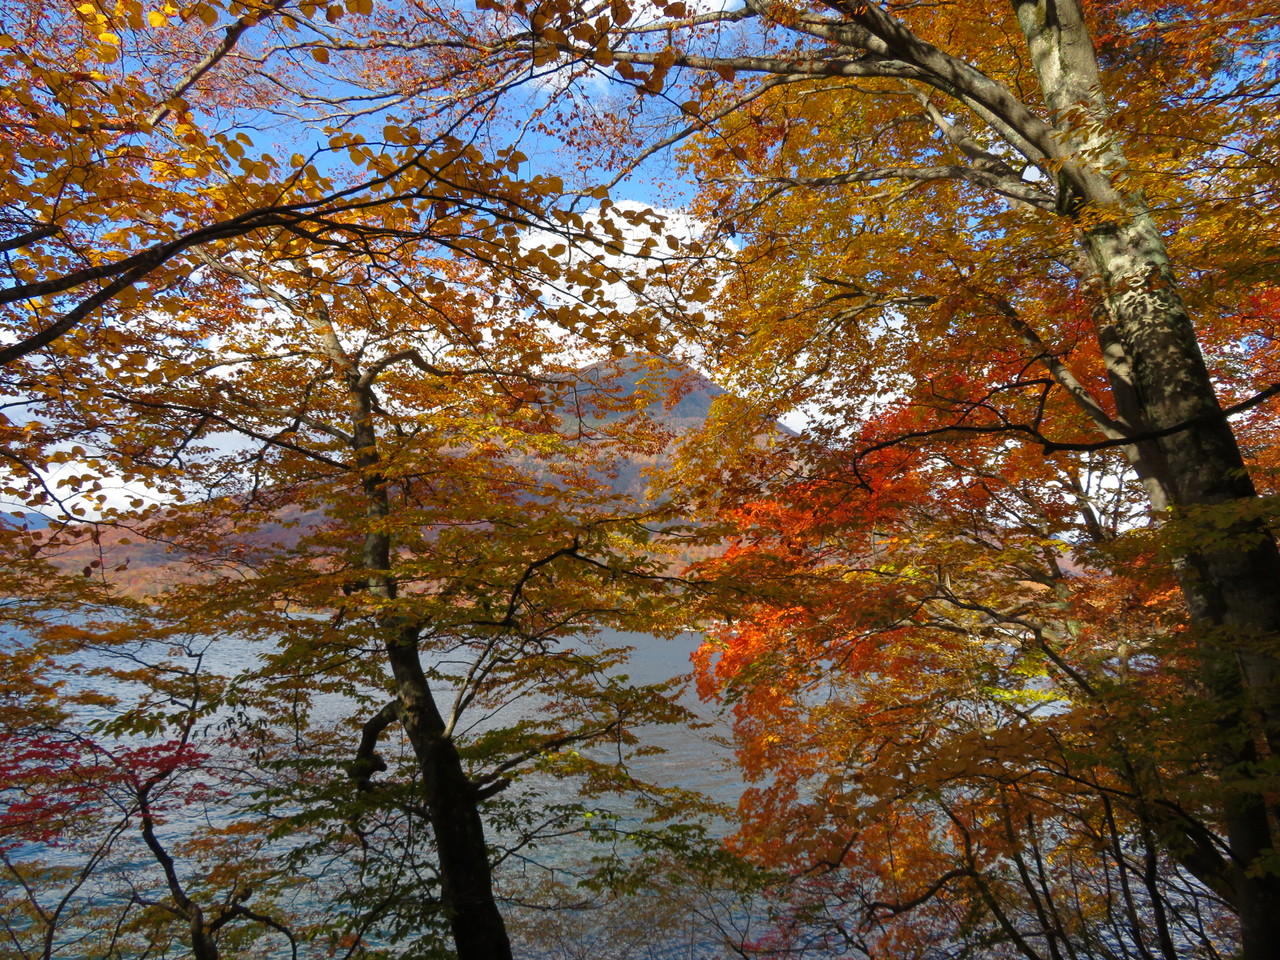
453	804
466	882
204	946
452	801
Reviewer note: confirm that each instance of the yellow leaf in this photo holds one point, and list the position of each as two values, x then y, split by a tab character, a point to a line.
319	54
157	19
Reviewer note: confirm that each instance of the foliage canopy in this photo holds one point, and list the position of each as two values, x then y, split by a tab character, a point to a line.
997	630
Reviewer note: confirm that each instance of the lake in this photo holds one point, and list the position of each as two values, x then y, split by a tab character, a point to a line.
656	925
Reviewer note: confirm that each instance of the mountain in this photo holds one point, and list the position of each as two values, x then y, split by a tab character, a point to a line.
674	398
681	397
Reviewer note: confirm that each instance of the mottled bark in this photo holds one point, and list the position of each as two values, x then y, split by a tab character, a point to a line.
1231	580
1232	588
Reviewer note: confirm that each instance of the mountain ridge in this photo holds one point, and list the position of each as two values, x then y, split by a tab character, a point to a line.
603	392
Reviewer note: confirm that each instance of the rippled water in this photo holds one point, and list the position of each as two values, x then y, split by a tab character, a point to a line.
655	926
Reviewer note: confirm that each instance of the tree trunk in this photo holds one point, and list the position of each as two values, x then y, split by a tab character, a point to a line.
453	805
466	882
203	945
1230	573
1232	582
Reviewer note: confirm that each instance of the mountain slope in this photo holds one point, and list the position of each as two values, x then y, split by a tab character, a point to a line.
673	399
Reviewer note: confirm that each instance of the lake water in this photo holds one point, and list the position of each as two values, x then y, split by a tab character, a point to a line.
654	925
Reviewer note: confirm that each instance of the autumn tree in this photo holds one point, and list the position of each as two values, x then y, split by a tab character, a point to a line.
951	223
348	329
980	209
972	716
137	134
130	745
453	489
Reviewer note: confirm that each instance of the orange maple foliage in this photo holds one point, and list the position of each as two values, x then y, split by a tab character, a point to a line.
1007	260
969	715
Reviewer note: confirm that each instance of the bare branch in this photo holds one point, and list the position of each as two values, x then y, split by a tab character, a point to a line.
230	37
367	762
1011	187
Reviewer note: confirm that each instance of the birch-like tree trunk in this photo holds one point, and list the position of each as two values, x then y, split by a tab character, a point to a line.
1232	587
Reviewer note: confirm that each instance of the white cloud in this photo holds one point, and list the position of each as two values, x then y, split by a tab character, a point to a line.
643	256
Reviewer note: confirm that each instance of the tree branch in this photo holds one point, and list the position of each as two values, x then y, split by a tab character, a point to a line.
367	762
1005	185
230	37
